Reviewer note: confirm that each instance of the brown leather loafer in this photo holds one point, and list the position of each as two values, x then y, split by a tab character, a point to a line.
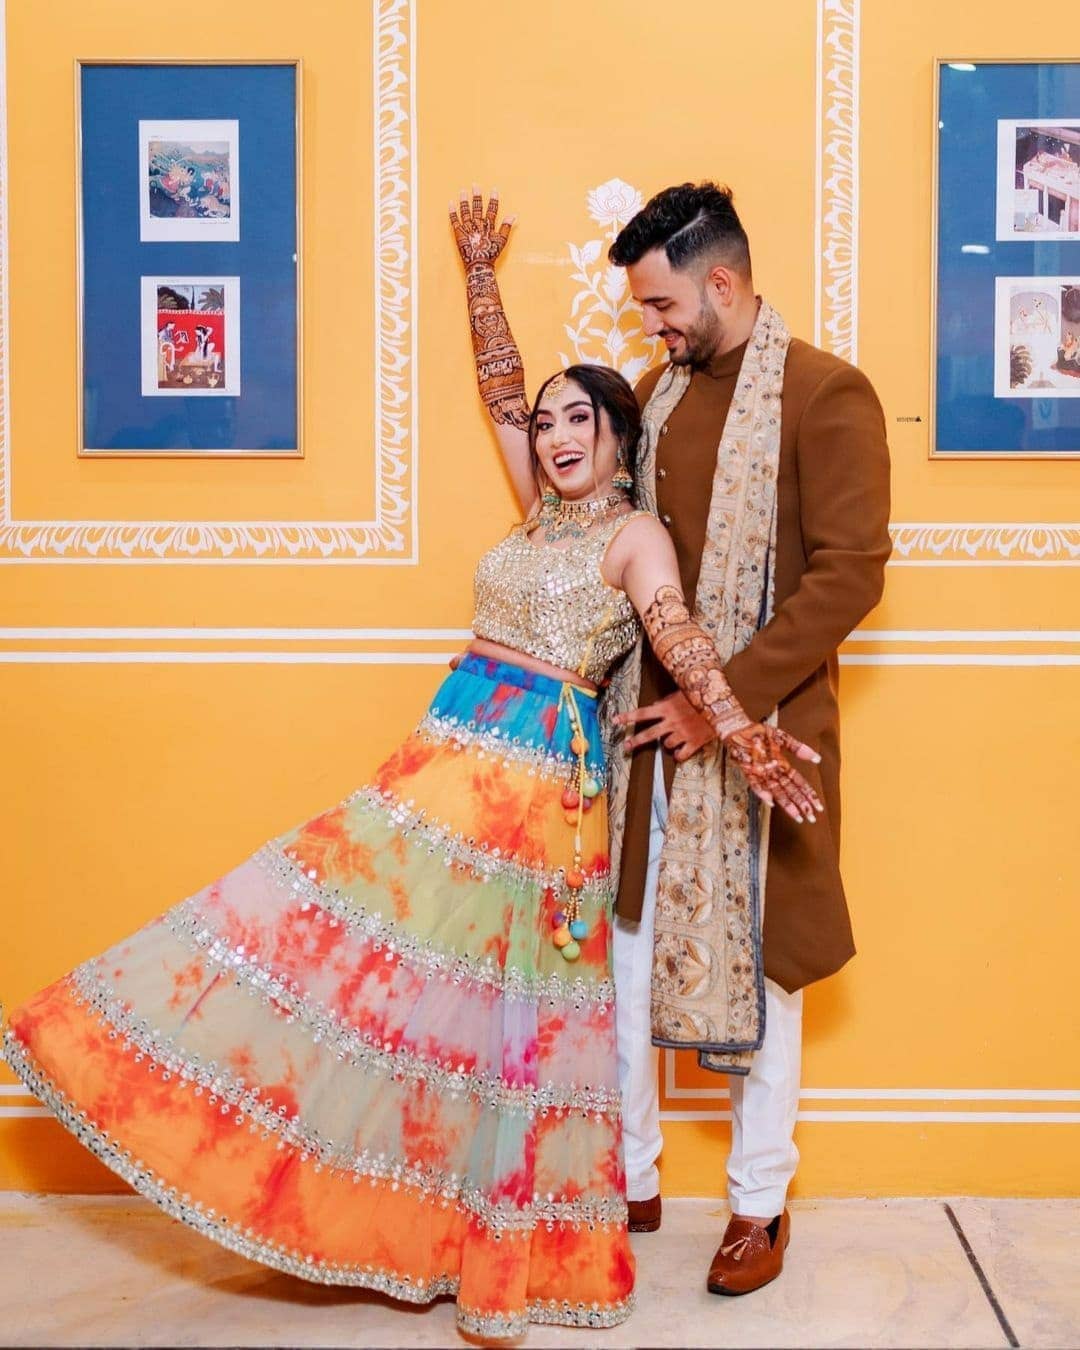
749	1255
644	1215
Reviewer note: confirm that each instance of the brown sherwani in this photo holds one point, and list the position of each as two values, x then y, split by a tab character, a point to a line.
832	541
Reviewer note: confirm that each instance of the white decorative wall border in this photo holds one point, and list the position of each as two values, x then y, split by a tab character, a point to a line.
836	304
884	1115
27	1107
1004	544
836	232
391	536
34	646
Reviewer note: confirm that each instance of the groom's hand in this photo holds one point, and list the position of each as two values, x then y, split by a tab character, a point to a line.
670	720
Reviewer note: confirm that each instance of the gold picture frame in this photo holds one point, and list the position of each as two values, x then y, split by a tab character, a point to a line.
151	250
997	254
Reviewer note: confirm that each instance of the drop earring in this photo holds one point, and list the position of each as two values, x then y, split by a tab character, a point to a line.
622	479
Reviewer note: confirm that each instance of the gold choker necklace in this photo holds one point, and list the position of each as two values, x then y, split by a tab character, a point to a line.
573	519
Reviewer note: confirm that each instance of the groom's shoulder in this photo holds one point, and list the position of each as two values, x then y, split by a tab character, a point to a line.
811	370
805	361
648	382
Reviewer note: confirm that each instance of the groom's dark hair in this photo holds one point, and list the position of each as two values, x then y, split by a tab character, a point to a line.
691	223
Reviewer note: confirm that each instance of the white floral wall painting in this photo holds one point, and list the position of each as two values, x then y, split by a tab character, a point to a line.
605	323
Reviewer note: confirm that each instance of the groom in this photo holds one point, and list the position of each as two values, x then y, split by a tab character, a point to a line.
814	504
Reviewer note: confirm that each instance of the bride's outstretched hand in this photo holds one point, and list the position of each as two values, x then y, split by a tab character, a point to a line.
500	373
477	233
758	751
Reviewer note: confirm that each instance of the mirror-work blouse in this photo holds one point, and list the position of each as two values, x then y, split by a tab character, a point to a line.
553	603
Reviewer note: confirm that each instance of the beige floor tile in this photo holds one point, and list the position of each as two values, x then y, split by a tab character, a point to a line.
857	1273
108	1270
1030	1252
114	1271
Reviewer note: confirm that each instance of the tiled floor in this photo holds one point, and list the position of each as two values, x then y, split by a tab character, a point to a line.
113	1271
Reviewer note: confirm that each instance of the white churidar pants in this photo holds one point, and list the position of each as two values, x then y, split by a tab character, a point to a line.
764	1102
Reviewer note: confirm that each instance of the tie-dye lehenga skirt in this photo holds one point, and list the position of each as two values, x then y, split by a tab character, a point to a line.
359	1057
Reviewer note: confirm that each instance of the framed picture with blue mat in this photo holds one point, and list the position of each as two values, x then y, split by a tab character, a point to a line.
189	258
1006	306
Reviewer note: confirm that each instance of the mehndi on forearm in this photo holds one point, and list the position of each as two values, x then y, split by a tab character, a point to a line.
500	374
685	651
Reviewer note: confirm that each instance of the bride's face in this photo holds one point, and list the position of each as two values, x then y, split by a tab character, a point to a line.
577	456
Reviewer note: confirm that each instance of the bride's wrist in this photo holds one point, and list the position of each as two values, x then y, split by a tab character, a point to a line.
729	719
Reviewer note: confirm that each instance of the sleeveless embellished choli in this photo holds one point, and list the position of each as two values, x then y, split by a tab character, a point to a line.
553	602
381	1052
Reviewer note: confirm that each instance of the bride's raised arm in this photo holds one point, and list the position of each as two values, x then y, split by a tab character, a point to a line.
500	374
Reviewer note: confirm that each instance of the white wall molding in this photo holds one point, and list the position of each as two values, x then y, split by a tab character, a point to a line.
836	214
415	658
222	658
45	633
941	635
433	646
827	1117
836	303
985	544
886	1115
391	535
905	1117
151	634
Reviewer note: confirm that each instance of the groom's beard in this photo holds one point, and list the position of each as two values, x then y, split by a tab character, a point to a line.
701	340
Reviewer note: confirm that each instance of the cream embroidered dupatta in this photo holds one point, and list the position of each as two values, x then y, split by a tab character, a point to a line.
708	981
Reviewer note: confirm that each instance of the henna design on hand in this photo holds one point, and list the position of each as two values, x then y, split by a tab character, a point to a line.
684	649
757	751
500	372
477	239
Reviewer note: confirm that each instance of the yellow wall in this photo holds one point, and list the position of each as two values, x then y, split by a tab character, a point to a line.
129	782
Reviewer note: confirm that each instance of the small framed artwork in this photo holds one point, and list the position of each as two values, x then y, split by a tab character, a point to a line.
191	181
190	337
189	310
1006	294
1037	337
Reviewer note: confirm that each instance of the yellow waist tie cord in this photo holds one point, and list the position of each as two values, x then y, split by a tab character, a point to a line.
570	928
